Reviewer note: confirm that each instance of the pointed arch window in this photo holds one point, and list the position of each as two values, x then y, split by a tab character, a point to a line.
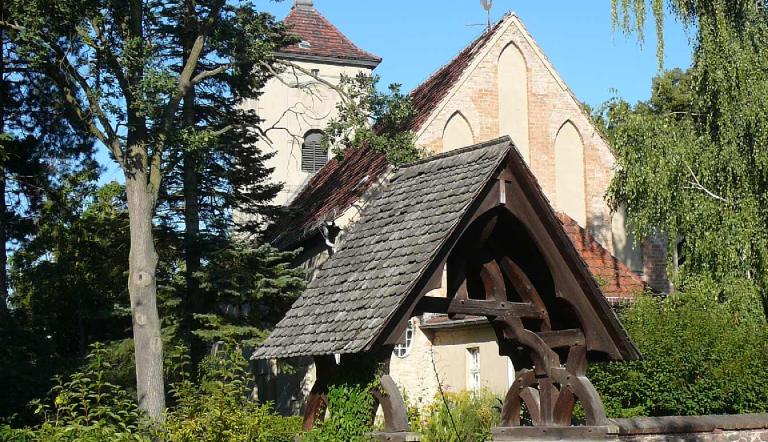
313	154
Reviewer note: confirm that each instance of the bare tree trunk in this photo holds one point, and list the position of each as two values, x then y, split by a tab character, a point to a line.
3	204
192	246
142	287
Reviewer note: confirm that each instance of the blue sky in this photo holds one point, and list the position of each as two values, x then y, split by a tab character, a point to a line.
415	37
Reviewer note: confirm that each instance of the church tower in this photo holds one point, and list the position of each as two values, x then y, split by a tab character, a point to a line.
297	106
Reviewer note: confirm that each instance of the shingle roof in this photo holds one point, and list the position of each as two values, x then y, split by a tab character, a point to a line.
320	38
385	253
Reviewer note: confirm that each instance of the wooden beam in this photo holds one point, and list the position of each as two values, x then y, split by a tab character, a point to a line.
562	338
477	307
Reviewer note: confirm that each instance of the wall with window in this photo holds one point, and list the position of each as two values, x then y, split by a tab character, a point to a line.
293	118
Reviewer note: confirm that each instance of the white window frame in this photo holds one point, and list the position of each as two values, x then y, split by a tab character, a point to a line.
404	349
473	368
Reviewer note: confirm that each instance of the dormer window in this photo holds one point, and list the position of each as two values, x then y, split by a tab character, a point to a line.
313	155
305	44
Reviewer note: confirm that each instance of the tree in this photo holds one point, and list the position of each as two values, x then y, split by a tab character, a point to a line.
112	63
218	166
37	148
695	167
68	278
368	117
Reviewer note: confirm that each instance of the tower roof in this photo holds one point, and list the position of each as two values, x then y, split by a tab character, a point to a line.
321	40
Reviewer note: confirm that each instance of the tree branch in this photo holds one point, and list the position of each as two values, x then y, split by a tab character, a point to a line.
185	84
210	73
66	77
695	184
339	90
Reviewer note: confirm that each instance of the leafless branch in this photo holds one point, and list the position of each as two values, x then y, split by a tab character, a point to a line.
210	73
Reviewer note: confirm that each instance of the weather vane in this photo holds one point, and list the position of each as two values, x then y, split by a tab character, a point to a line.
488	5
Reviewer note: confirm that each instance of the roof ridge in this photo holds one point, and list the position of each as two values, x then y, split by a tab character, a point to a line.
490	30
430	92
450	153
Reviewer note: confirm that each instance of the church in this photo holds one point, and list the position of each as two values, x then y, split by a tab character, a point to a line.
500	84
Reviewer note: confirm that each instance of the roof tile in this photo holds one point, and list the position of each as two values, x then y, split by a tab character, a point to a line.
321	38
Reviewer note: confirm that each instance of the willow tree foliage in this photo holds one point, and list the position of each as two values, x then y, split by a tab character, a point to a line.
698	172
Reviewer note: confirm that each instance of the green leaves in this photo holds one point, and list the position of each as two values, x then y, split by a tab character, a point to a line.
349	415
701	355
367	117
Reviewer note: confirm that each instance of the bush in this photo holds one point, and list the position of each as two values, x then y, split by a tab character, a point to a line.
704	352
468	417
218	408
88	408
349	415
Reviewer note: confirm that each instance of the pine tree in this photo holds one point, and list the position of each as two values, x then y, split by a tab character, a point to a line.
121	77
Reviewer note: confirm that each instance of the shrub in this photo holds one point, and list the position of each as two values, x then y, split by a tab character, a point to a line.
704	352
468	417
84	408
349	415
88	408
218	408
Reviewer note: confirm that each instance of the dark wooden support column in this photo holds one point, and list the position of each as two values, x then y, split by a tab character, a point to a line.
392	405
317	401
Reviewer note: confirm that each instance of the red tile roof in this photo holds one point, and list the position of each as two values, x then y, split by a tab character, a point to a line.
329	193
428	94
616	280
320	38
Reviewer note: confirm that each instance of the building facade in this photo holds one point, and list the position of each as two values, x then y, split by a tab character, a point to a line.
298	104
500	84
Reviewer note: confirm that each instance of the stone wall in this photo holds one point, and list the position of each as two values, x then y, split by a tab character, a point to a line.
731	428
720	436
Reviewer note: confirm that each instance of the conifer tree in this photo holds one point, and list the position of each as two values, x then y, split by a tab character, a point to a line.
121	76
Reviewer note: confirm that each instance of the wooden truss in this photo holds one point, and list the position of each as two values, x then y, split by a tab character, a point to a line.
510	262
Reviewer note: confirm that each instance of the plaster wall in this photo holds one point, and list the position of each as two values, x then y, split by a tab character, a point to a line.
446	352
289	112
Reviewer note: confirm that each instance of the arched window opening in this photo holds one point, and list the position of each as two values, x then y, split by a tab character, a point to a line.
402	350
457	133
513	98
570	191
313	154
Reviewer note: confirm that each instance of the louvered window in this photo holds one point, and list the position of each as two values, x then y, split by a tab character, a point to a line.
313	155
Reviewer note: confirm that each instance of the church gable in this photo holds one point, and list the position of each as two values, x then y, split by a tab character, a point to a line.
504	85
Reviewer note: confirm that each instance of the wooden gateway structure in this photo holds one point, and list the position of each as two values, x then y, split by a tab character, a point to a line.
478	215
